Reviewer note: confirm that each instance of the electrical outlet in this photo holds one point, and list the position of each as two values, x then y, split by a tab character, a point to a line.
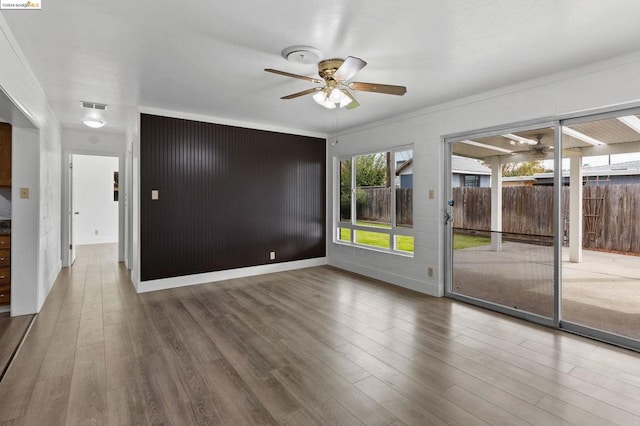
430	271
24	192
431	194
272	255
96	232
154	194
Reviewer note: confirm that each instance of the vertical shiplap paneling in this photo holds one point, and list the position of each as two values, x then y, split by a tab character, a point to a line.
228	196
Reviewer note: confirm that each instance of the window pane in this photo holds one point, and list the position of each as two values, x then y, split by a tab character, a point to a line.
404	188
375	239
345	190
373	189
404	243
344	234
471	181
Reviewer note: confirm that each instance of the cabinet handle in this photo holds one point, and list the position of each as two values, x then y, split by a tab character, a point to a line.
1	277
2	259
1	295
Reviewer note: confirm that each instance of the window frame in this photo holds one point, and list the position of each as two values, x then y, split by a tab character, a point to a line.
352	225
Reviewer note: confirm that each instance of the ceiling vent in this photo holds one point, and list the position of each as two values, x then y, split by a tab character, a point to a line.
93	105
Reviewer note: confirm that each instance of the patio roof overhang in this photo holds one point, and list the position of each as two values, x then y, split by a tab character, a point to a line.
603	137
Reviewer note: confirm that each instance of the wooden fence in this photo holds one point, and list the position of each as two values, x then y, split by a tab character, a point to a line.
377	207
611	213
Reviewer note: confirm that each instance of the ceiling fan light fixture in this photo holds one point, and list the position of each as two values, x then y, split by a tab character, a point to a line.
94	123
335	98
323	99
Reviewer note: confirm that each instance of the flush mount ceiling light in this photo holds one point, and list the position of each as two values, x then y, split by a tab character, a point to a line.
94	123
93	119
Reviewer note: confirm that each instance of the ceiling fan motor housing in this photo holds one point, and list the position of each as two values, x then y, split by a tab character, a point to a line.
328	67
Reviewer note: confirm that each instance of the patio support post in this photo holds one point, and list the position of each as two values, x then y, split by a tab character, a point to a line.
575	209
496	204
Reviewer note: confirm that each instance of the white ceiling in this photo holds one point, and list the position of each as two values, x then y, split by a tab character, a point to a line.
207	57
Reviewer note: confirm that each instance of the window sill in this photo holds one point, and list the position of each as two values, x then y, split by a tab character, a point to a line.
376	249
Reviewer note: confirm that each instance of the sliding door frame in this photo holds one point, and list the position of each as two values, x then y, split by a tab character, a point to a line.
594	333
448	229
556	123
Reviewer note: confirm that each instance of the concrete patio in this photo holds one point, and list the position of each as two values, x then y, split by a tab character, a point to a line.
602	292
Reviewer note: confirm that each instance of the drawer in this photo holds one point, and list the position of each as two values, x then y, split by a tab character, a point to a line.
5	241
5	276
5	257
5	294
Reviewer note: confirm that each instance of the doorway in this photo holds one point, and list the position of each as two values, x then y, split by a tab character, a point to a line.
94	201
542	223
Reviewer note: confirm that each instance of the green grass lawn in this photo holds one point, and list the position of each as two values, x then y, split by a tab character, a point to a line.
461	241
404	243
378	239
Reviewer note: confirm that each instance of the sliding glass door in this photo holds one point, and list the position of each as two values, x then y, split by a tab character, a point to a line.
502	224
543	222
601	255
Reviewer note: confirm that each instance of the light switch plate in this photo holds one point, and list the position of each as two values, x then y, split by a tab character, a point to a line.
431	194
24	192
154	194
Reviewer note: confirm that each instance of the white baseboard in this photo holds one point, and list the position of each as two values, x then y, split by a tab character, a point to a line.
432	289
166	283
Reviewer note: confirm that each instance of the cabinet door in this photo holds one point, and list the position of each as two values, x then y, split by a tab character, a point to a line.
5	154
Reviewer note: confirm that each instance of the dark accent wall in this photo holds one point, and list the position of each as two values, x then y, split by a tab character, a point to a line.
227	197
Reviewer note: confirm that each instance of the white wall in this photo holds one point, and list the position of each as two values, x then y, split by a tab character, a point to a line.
93	199
25	223
599	85
42	254
131	140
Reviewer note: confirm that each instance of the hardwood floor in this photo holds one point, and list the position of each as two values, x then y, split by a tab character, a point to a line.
12	331
314	346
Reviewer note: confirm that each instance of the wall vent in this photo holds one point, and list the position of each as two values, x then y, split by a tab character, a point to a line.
93	105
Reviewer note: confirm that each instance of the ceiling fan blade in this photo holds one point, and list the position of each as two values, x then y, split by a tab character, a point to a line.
288	74
349	68
353	104
378	88
304	92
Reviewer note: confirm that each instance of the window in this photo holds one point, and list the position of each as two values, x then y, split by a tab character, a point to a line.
376	201
470	180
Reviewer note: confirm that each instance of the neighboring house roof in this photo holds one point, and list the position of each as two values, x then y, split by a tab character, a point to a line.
404	166
464	165
518	179
628	168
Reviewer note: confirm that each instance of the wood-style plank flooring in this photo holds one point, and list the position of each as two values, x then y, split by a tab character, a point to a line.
12	331
314	346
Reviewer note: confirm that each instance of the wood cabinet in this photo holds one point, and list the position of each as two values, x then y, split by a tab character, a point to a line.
5	154
5	269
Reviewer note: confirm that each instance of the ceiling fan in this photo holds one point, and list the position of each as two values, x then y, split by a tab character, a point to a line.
335	75
539	148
